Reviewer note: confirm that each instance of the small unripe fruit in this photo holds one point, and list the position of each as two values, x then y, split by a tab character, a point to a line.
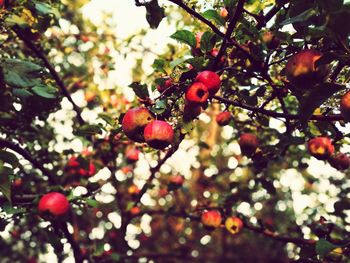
167	83
301	69
177	180
345	107
134	123
340	161
248	143
211	80
233	224
198	39
55	203
135	210
320	147
159	134
133	190
132	154
211	219
223	12
197	93
223	118
270	40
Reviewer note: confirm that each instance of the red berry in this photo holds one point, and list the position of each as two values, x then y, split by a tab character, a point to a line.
167	84
54	202
340	161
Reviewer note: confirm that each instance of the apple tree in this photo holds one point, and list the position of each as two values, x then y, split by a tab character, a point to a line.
235	139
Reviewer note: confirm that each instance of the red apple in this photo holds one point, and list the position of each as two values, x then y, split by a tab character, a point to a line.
133	190
197	93
248	143
345	106
55	203
17	182
211	80
302	71
177	180
224	118
320	147
270	40
167	83
233	224
132	154
135	210
340	161
134	123
223	12
159	134
211	219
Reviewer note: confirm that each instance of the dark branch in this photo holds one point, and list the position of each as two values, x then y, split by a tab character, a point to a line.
26	155
52	71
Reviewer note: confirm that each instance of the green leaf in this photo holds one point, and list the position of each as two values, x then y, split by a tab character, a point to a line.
92	202
10	210
22	93
115	257
159	107
140	90
107	118
45	91
315	99
10	158
19	73
208	41
323	247
154	14
159	65
211	14
300	18
5	184
46	9
88	130
185	36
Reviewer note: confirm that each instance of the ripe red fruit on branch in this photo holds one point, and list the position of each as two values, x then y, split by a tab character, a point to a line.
301	69
134	190
211	80
167	83
134	123
345	107
233	224
198	39
320	147
177	180
132	154
223	12
223	118
79	166
270	40
211	219
248	143
340	161
54	203
159	134
197	93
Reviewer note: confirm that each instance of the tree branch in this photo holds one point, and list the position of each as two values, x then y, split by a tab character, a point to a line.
198	16
334	117
26	155
227	37
52	71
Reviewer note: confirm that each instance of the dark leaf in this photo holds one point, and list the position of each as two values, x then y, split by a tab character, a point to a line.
140	90
185	36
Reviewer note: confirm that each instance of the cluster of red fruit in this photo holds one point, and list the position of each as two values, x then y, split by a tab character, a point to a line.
79	166
212	219
323	149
